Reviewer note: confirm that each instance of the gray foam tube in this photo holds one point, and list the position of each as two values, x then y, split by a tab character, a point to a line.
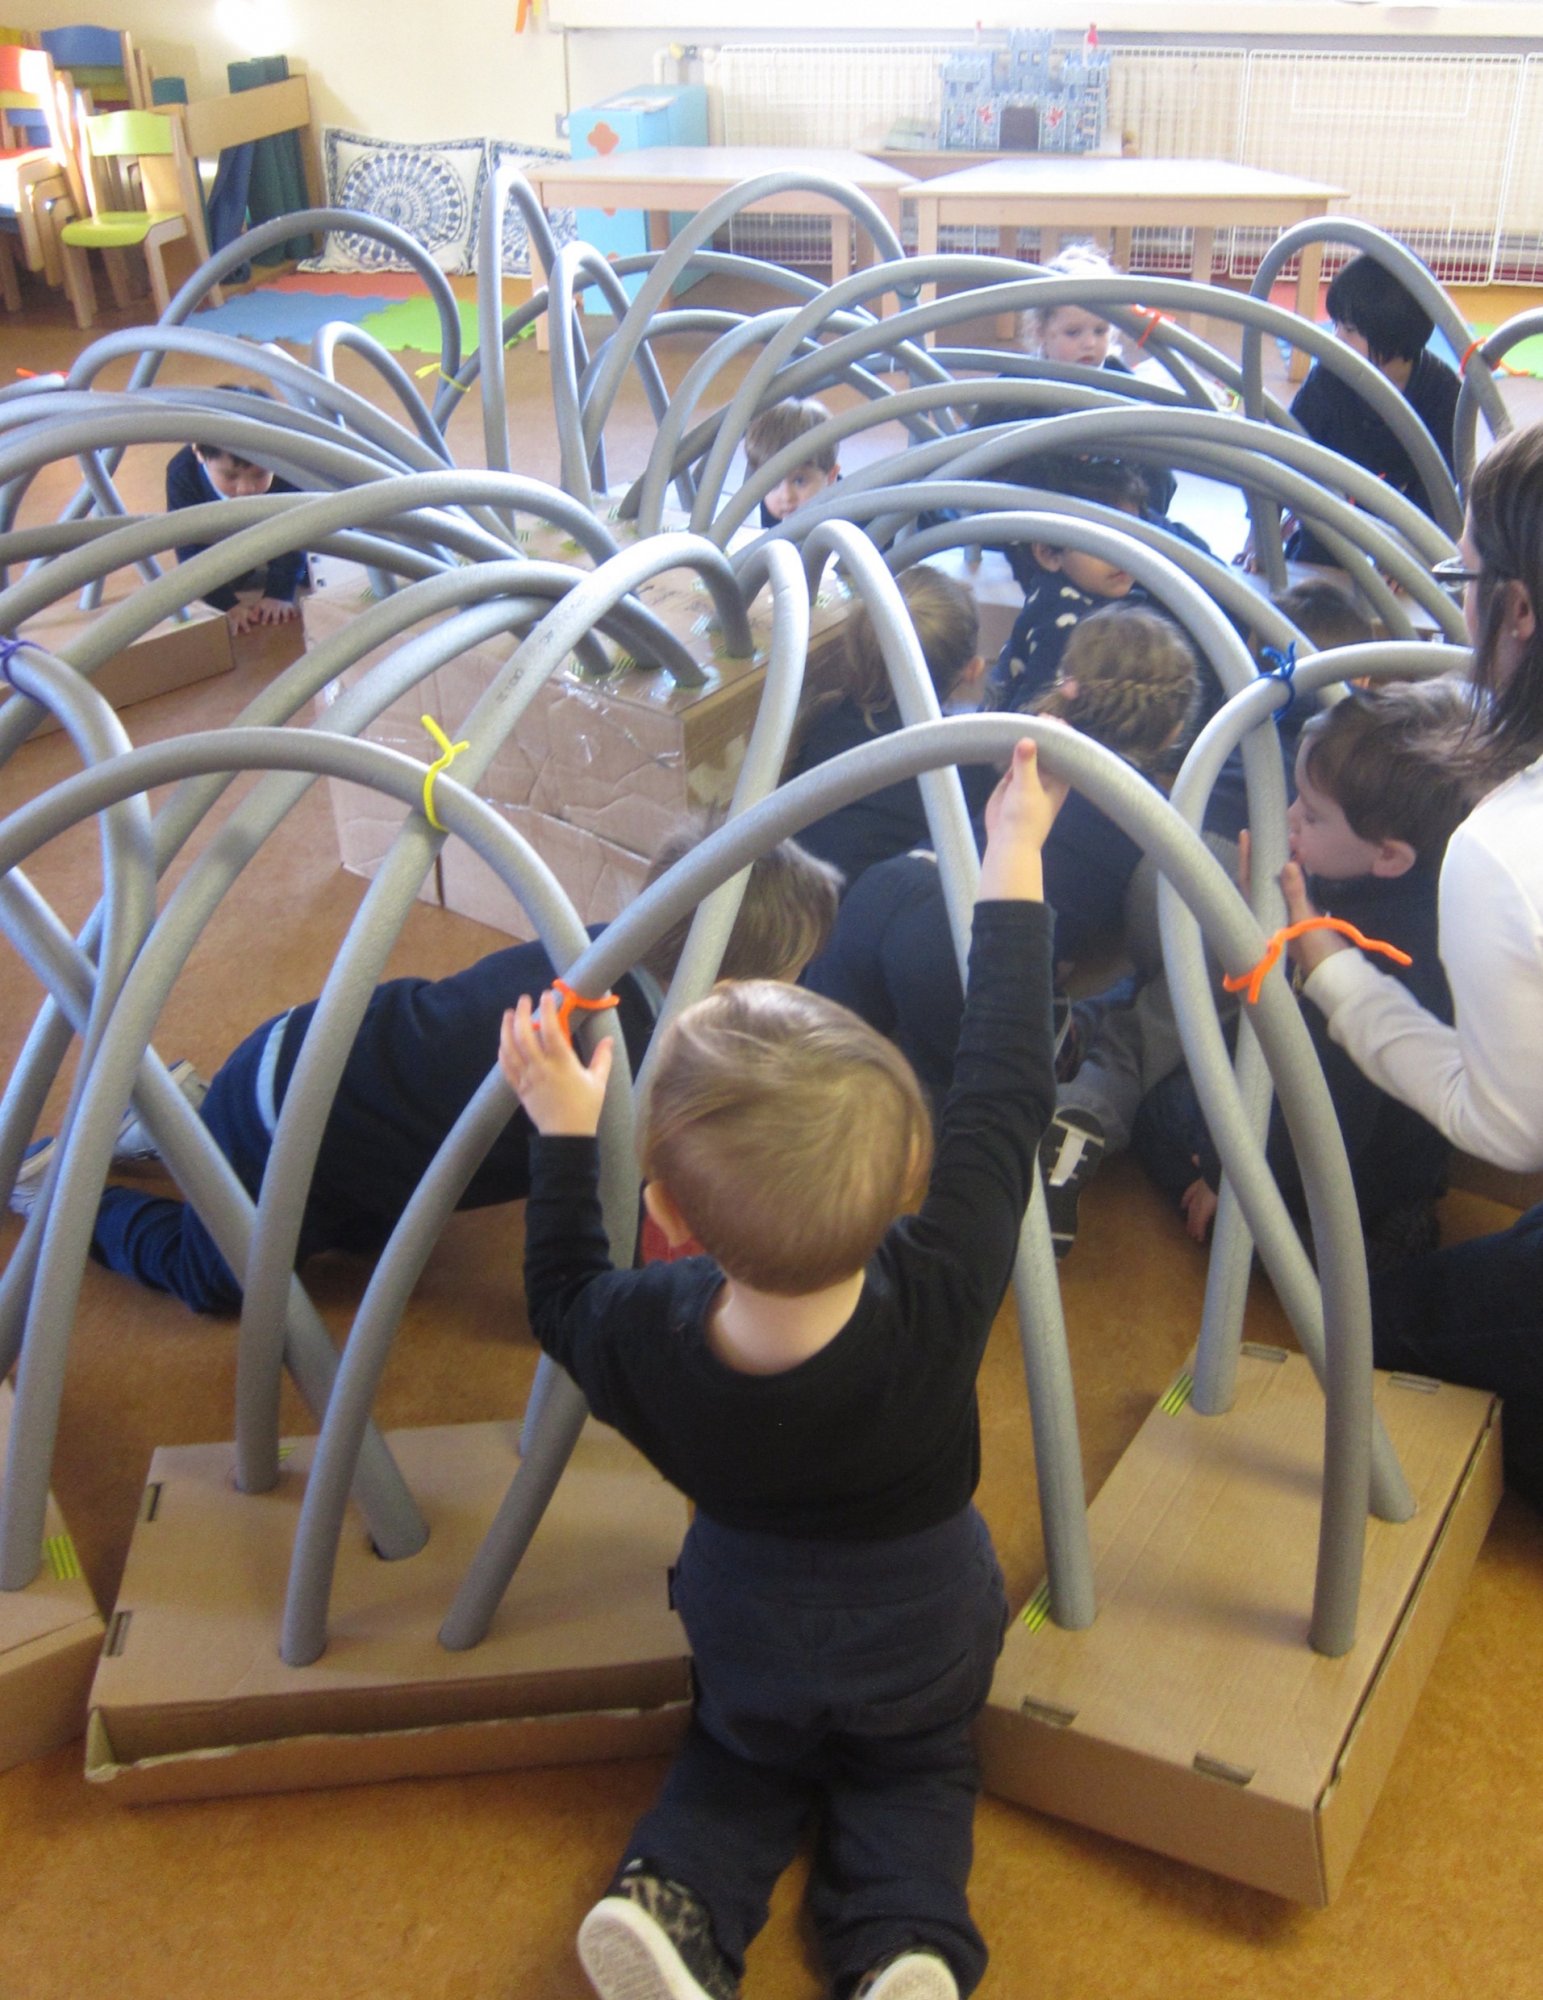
998	291
89	1144
337	333
581	461
1362	377
672	262
302	1119
555	1411
673	452
128	908
1227	925
1289	1267
312	1565
1471	397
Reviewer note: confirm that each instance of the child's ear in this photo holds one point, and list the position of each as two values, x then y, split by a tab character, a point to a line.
661	1206
833	475
1046	556
971	671
1394	858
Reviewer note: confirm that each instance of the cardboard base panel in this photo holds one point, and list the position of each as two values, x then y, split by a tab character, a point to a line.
171	655
1193	1718
50	1639
584	1660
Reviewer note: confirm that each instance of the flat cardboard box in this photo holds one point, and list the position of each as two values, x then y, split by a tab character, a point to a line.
171	655
584	1659
50	1637
601	880
1193	1718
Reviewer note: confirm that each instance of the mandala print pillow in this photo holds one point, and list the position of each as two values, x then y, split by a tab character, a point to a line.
508	159
430	191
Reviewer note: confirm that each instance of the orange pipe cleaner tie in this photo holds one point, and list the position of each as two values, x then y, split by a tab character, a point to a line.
1253	980
573	1003
1151	315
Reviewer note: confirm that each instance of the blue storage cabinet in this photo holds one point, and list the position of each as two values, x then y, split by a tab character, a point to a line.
664	114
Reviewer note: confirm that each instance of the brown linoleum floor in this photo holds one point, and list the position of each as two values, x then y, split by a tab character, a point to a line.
470	1888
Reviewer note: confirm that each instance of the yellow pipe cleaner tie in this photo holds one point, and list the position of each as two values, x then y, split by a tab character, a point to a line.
433	368
448	752
1253	980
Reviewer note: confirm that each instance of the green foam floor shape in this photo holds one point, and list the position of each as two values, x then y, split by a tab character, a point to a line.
414	323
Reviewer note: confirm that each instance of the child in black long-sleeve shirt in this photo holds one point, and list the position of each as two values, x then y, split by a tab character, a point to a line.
810	1385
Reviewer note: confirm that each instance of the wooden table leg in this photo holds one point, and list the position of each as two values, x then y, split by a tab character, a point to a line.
927	246
1007	246
540	279
1309	272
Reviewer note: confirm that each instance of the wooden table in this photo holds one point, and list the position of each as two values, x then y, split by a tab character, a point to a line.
1080	193
662	179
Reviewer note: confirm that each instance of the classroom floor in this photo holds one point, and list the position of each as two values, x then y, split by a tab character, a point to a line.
451	1888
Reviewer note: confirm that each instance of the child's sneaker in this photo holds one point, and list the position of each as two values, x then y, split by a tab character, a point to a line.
134	1141
651	1939
909	1975
1072	1147
28	1184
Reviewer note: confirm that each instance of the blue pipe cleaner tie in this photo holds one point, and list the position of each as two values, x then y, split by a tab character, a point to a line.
9	648
1281	666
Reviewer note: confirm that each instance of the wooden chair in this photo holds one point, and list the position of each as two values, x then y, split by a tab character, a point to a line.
105	65
136	157
41	186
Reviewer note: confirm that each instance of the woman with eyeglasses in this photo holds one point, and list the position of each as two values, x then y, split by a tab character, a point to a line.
1474	1313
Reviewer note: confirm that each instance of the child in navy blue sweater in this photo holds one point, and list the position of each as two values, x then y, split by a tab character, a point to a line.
1381	784
810	1385
1061	586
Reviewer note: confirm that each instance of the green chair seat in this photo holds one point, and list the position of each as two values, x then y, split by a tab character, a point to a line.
119	229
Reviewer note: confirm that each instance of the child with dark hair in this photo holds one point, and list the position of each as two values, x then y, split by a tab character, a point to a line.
1128	680
420	1053
1373	314
809	1384
1382	784
861	707
1060	586
773	431
199	474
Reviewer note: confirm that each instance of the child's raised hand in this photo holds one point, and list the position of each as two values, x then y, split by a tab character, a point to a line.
561	1096
1313	947
1019	816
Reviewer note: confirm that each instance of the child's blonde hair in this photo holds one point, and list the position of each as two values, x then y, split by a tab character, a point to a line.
788	1133
1077	260
1129	680
947	627
785	918
783	424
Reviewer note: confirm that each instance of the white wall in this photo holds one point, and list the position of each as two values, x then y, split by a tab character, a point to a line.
445	69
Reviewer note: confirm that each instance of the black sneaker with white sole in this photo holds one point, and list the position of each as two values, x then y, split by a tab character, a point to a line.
1069	1153
909	1975
651	1939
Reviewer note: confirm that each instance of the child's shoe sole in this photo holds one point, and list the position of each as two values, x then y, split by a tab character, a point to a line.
918	1975
628	1956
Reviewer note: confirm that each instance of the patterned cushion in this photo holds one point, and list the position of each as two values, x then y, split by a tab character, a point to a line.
431	191
507	158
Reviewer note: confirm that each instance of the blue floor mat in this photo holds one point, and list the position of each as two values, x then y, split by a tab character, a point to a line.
291	316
